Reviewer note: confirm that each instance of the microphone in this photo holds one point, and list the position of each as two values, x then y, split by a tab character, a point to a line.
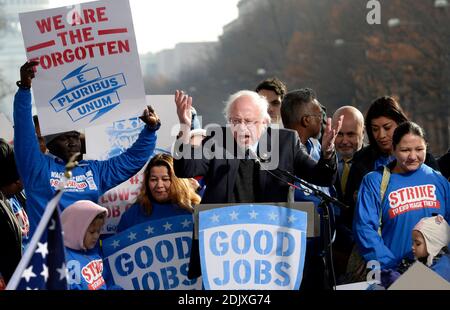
258	159
290	176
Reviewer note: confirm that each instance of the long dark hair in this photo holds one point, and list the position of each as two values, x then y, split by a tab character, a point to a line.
384	106
181	192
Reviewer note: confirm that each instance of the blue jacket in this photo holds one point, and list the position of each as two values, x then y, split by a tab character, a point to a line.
135	214
85	269
41	173
314	149
408	198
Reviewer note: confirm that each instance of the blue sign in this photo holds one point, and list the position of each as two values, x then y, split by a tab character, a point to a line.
86	93
252	247
152	256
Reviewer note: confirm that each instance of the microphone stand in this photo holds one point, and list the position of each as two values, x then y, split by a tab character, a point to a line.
325	201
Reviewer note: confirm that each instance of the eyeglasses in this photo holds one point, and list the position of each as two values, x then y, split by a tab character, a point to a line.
237	121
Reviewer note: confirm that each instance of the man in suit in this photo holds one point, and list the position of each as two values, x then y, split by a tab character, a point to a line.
230	175
348	141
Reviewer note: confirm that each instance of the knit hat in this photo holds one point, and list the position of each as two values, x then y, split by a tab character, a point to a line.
436	232
75	221
8	168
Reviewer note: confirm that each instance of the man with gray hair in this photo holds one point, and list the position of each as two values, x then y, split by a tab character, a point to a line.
238	179
247	129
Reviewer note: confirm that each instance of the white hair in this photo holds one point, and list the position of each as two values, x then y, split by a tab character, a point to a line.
260	101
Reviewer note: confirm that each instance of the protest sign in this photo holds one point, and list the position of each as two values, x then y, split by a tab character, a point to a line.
152	256
258	247
88	71
109	140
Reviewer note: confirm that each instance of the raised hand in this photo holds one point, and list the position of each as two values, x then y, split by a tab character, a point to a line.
184	105
27	73
149	117
329	136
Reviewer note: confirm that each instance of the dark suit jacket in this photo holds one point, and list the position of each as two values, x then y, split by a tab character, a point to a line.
220	174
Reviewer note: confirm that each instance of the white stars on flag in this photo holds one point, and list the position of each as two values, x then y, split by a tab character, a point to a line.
28	274
42	249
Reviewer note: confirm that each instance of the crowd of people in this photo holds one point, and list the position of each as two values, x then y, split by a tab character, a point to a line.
397	193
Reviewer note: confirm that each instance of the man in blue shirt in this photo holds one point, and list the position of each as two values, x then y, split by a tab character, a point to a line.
302	112
41	174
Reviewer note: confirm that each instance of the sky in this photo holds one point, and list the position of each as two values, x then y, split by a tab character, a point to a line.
160	24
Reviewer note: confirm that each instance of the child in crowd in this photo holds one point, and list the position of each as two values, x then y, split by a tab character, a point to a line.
431	237
82	222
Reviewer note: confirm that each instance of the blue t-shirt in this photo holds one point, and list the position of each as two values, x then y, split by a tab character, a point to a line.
136	214
85	269
408	198
383	161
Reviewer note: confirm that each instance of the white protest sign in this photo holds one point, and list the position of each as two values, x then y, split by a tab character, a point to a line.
108	140
89	71
259	247
113	138
152	256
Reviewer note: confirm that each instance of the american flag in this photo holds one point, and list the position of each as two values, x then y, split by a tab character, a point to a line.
47	268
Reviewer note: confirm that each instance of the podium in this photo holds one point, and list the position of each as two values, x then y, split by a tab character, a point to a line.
313	229
262	245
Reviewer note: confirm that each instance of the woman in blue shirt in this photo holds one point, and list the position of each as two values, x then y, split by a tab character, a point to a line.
414	190
383	117
162	194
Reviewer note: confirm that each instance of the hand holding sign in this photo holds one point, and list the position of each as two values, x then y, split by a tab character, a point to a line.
27	73
150	118
88	62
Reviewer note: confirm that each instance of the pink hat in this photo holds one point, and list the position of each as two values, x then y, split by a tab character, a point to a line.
75	220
